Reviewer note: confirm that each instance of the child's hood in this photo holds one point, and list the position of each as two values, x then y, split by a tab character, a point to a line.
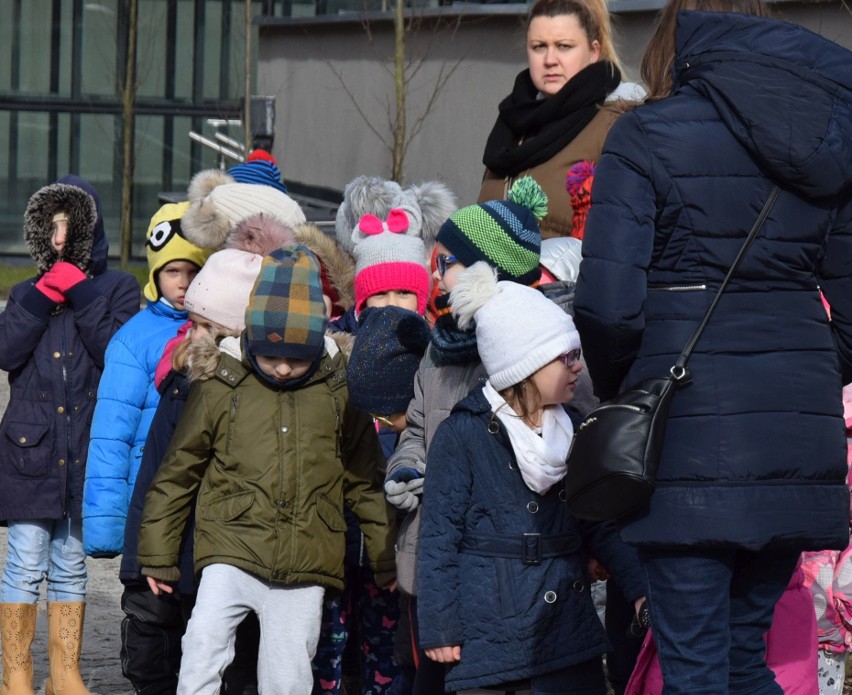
87	245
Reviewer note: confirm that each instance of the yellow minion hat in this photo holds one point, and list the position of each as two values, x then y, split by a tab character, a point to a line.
165	243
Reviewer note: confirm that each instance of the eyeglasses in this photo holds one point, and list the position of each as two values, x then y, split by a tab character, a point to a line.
442	260
571	357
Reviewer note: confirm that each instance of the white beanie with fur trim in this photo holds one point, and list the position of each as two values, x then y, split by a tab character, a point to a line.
211	218
518	329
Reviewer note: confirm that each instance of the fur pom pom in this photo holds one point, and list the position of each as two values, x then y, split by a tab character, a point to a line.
528	193
260	234
205	181
476	285
205	225
437	202
363	195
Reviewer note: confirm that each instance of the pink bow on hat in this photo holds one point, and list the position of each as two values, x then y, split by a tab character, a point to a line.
396	223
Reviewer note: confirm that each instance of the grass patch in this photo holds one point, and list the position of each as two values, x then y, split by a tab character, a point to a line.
13	273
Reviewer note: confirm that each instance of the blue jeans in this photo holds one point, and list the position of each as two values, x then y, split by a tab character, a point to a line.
40	548
710	610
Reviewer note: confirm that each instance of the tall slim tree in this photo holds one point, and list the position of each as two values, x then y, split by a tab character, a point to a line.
128	100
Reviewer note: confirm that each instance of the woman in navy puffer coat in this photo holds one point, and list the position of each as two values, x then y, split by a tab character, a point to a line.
753	466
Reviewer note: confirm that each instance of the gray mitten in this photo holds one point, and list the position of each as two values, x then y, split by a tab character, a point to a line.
404	495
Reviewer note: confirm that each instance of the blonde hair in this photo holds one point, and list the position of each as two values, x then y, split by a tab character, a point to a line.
592	16
199	358
658	60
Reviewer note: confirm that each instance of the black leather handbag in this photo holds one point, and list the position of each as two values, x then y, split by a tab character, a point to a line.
612	463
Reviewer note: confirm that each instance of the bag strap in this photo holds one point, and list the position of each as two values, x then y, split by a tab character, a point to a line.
679	370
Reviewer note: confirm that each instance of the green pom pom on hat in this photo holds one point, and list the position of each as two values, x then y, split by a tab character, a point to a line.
527	192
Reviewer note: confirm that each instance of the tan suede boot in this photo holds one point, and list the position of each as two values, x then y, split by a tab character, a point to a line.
65	640
17	627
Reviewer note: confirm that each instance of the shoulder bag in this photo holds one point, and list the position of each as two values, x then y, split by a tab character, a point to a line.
612	463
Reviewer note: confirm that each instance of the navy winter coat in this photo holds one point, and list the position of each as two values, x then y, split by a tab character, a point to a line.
513	620
54	355
755	450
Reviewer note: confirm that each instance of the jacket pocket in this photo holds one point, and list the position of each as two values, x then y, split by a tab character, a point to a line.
30	460
330	514
227	508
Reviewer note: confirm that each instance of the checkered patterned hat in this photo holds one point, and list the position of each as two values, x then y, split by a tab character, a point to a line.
286	313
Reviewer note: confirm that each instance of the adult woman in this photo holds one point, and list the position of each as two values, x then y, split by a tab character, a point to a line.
554	117
753	465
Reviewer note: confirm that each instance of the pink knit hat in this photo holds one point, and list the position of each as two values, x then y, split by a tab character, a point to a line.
386	259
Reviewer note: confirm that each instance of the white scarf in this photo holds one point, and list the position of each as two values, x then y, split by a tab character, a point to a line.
541	460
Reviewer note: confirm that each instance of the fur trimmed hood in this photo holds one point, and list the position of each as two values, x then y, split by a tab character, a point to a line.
84	220
337	261
260	234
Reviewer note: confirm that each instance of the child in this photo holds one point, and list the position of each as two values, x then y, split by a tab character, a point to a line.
272	447
505	235
216	301
127	397
502	584
53	335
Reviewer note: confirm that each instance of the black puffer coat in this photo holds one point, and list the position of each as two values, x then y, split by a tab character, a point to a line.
54	355
755	450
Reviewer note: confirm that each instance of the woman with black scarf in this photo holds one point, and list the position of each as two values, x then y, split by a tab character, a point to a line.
556	115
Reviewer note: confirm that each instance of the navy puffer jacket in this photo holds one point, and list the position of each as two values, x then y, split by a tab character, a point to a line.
54	354
513	620
755	451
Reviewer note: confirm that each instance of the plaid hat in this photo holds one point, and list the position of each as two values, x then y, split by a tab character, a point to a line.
388	347
258	171
286	313
503	233
165	243
387	259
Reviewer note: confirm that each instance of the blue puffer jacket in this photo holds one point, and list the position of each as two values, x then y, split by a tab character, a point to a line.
127	401
54	355
512	620
755	450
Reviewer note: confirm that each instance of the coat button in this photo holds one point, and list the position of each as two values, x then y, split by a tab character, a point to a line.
56	355
532	507
281	504
550	597
76	462
563	495
285	429
22	440
60	410
175	392
223	372
579	586
61	462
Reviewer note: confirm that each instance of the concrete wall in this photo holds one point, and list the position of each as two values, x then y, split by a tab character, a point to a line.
322	132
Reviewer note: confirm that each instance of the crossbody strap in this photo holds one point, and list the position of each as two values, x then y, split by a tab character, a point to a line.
679	370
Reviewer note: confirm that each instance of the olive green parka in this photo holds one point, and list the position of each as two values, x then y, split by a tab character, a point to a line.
272	468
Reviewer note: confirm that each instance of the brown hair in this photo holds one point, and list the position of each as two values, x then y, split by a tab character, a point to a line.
592	16
524	398
658	60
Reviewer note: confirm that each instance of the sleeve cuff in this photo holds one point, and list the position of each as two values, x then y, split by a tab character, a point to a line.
166	574
37	304
82	294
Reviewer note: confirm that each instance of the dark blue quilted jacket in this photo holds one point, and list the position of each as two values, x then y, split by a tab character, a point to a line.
512	620
755	451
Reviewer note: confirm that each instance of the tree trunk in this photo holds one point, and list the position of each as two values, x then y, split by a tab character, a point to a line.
128	99
399	125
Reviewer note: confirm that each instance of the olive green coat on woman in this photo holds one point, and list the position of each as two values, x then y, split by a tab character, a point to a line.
272	468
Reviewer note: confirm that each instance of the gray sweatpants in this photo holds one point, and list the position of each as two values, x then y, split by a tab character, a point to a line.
289	630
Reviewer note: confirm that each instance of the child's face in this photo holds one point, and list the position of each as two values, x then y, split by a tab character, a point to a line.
448	280
201	328
404	299
283	369
173	280
60	234
557	380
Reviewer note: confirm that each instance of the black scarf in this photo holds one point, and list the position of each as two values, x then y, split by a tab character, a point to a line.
530	130
450	344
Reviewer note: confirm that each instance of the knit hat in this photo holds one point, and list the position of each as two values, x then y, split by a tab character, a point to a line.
217	206
386	259
220	292
258	171
259	154
503	233
518	329
286	313
578	184
387	351
165	242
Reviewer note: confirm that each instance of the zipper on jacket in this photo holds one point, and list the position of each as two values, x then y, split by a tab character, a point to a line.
337	427
67	397
677	288
232	416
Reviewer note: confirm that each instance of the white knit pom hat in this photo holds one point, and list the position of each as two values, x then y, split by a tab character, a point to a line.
518	329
